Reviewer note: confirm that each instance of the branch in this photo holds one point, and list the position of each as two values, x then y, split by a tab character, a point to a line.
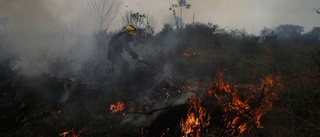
104	11
303	120
306	65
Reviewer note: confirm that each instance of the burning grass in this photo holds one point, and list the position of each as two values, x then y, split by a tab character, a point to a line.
237	107
222	110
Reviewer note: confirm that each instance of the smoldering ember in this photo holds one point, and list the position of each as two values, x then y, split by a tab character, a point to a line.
187	80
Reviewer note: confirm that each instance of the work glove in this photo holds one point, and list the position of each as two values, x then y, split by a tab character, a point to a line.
140	59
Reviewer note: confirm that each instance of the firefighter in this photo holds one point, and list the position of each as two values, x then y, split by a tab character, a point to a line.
117	43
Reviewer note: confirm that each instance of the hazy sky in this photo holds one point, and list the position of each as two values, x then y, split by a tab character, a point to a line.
233	14
250	14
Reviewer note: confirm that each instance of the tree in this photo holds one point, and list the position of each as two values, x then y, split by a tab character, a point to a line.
313	35
138	20
104	11
141	21
267	35
182	4
144	23
288	32
169	20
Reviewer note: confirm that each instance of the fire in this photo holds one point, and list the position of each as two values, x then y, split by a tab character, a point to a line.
241	107
197	120
72	133
244	110
117	107
65	133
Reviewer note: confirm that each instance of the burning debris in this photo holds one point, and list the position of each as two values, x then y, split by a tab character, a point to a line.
72	133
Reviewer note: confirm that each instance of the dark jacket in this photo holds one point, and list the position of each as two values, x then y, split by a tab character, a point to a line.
119	42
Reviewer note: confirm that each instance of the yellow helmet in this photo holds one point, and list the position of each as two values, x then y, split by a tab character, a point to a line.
130	29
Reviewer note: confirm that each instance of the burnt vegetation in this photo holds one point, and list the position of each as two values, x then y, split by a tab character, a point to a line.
63	102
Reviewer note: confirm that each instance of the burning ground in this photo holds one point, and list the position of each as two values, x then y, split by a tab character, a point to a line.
209	83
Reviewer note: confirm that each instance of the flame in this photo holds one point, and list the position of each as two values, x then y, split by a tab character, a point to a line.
65	133
117	107
242	107
197	119
242	112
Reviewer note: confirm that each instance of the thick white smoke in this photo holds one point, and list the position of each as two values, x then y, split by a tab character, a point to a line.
39	36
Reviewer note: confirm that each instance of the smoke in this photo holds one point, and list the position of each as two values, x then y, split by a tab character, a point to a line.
161	53
36	12
45	43
39	36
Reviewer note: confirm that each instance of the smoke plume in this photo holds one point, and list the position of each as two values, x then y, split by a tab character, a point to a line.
38	36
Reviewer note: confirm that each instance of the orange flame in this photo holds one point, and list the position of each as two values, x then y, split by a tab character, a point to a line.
242	107
117	107
240	112
198	119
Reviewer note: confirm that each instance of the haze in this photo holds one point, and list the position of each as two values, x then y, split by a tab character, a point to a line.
252	15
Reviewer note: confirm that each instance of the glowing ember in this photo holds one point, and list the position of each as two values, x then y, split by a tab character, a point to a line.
65	133
72	133
191	52
117	107
167	94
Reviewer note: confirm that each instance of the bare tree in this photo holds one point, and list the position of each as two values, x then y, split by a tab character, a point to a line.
169	20
151	22
182	4
139	20
136	19
144	23
104	11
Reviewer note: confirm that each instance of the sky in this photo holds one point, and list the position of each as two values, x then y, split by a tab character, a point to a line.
252	15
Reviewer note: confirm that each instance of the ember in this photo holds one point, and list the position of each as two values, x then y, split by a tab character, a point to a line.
117	107
191	52
72	133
